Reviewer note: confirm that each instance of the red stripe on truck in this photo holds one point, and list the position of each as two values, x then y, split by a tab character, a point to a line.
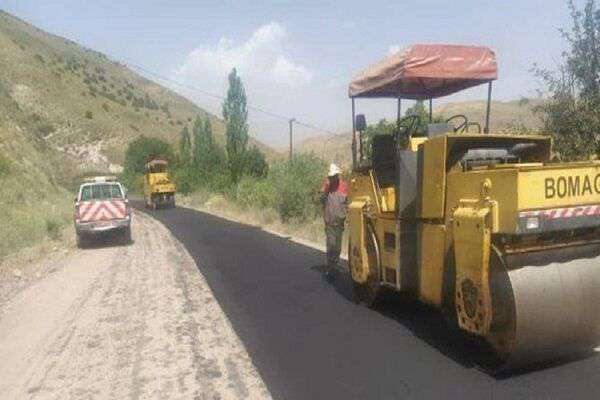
567	212
102	210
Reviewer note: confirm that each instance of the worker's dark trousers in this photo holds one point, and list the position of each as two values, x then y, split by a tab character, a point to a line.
334	233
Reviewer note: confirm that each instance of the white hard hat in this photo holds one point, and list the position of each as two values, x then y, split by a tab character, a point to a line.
334	170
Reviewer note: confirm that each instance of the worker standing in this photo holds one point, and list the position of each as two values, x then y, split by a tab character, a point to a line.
333	196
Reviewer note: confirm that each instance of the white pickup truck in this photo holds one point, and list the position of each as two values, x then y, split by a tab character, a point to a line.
102	208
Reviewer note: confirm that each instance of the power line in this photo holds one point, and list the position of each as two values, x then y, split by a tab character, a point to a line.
220	97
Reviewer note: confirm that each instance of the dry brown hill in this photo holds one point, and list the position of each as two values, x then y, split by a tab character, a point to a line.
504	115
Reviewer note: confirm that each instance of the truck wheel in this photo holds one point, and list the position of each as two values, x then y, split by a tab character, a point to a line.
80	241
370	291
127	235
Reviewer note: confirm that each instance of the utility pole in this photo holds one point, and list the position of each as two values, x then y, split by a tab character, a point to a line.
291	140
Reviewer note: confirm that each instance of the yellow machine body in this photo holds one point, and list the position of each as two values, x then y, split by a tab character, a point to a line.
159	189
481	237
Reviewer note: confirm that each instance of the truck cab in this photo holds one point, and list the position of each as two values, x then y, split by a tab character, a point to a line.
159	189
101	209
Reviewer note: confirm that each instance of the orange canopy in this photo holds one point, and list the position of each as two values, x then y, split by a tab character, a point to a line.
426	71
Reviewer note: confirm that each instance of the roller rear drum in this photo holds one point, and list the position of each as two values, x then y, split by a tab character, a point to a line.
545	304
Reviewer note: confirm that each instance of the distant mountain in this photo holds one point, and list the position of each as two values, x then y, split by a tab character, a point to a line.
504	116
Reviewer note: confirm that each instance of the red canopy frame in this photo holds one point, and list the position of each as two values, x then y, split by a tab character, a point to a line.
425	72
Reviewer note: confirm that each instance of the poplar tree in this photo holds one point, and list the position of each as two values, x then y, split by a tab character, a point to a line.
200	148
185	146
235	114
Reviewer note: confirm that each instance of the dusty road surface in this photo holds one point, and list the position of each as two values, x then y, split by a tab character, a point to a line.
310	340
123	322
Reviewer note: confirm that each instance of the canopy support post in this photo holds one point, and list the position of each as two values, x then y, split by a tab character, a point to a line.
430	111
353	135
399	111
487	112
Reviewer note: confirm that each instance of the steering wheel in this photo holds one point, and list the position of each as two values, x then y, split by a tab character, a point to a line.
475	124
462	127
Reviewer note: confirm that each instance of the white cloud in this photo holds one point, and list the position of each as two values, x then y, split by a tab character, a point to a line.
393	49
348	24
273	80
260	59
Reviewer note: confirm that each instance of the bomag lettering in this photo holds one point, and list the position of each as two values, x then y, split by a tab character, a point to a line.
571	186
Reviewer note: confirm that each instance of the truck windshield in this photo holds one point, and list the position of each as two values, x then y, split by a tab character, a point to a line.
102	191
158	168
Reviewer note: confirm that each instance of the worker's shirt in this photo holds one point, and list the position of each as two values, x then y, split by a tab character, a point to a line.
334	201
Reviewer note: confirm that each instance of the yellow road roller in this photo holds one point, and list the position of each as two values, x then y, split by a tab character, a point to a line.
159	189
485	227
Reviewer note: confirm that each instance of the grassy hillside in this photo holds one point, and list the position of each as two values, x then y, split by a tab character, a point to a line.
87	105
33	200
65	111
504	116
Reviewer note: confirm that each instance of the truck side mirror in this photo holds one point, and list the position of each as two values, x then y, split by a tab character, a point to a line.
360	122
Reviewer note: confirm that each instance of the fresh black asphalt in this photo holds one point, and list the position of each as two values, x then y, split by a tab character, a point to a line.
310	340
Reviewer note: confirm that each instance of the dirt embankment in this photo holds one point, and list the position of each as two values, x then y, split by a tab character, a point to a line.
117	322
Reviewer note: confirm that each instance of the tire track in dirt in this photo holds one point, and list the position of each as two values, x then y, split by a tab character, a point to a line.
139	322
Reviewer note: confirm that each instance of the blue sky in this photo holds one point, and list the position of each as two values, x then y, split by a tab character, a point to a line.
296	58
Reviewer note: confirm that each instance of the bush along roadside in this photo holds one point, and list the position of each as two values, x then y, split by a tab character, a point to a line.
237	175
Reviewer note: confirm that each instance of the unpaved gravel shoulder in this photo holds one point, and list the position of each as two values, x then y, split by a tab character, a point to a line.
123	322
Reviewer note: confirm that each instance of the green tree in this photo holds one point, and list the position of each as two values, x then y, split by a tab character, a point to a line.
235	114
572	114
200	142
383	127
215	155
208	133
207	156
185	147
138	152
255	163
420	111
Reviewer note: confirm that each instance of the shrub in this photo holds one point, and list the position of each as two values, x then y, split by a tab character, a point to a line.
258	193
184	180
89	114
39	58
292	189
4	165
45	129
255	163
53	226
297	184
